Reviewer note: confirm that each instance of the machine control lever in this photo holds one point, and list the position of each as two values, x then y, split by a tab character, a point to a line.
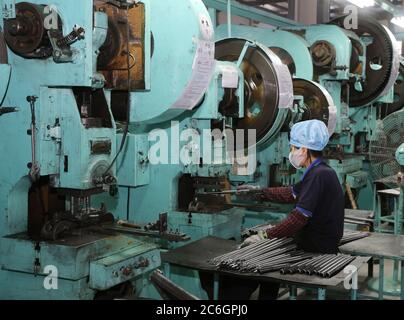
34	166
5	110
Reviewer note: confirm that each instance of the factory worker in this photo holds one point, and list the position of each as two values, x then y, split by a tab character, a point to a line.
317	221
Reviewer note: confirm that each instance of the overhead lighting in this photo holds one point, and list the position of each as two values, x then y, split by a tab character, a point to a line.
398	21
363	3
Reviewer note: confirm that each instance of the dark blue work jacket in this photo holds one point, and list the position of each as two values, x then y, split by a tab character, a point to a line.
320	197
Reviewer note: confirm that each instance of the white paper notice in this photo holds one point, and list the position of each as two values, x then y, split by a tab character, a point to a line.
229	76
202	71
332	119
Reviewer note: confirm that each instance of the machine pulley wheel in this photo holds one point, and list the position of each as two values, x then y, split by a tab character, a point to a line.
286	58
323	53
318	103
26	32
382	60
261	86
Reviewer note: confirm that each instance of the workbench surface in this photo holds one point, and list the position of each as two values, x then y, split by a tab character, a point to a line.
377	244
196	255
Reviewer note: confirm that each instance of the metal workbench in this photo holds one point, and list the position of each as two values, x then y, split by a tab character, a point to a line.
196	255
380	246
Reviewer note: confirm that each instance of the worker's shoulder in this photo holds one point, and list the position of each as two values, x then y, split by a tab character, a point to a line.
324	171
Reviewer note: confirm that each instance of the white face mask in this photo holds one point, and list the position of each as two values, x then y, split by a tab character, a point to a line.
297	158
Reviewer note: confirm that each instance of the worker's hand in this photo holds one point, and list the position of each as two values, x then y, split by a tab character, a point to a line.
246	187
253	239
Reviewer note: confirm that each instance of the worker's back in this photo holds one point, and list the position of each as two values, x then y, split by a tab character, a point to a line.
324	197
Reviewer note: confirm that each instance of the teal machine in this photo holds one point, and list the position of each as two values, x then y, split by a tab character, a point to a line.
358	70
108	115
248	88
60	76
339	76
88	97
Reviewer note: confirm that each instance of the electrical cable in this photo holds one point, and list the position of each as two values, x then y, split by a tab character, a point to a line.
126	130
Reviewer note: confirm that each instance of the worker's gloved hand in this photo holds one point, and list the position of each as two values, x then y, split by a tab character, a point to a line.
255	238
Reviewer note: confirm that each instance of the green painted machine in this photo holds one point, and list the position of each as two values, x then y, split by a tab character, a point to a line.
127	112
67	77
343	62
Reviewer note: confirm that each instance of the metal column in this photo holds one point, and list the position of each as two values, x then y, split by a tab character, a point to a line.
216	286
402	280
323	11
292	293
381	278
321	295
307	11
292	9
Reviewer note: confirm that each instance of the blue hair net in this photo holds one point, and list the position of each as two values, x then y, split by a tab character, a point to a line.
312	134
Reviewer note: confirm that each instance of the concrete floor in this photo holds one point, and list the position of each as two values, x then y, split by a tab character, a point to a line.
340	293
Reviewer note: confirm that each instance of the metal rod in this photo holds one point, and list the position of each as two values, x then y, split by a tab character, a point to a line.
328	265
319	265
310	264
359	218
338	267
229	18
265	249
353	237
277	258
273	268
288	259
262	269
273	253
281	254
253	266
292	268
332	265
337	262
238	251
330	262
167	286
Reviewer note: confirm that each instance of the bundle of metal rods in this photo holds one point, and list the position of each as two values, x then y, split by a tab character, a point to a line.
352	236
282	254
325	266
263	256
